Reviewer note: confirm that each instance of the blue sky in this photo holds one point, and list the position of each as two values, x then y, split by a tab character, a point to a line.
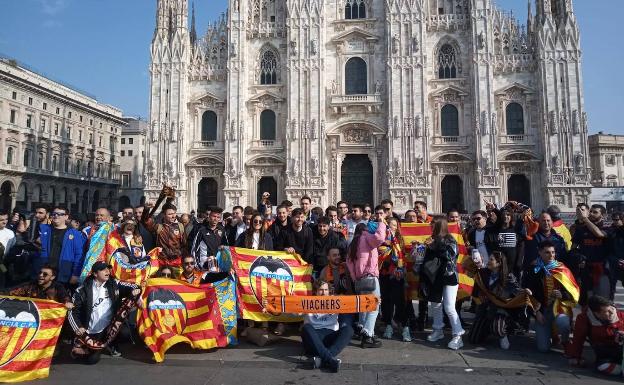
102	47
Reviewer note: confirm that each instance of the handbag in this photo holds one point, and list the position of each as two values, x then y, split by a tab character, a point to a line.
366	284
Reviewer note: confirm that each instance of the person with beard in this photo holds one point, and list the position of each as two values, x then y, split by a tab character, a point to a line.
335	224
616	249
590	240
44	287
305	204
146	235
357	217
170	235
207	238
235	227
336	273
281	223
559	226
297	238
100	306
195	277
545	232
324	240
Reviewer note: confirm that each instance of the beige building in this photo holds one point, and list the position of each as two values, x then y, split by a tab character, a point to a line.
131	162
57	145
606	156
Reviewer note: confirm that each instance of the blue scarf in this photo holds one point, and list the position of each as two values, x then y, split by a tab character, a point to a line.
546	267
372	226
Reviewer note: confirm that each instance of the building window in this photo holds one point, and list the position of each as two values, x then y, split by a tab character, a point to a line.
30	101
26	157
143	154
54	162
514	114
58	110
125	180
14	95
123	140
447	62
40	160
355	9
90	168
66	165
80	135
69	130
610	160
80	118
123	153
69	114
268	68
130	141
9	157
209	126
355	77
13	115
56	128
91	122
449	120
129	152
267	125
90	138
45	106
43	124
29	121
78	166
100	142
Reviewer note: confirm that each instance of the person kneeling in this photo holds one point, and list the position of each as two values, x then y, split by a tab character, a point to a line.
603	326
101	305
323	336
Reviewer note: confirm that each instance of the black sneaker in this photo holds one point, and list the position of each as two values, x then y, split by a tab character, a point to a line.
334	366
369	342
357	332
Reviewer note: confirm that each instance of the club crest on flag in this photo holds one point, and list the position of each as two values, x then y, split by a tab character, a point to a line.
270	276
19	323
167	311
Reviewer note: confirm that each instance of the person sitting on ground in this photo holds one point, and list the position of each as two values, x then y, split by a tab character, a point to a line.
44	287
101	305
323	336
194	276
495	288
602	325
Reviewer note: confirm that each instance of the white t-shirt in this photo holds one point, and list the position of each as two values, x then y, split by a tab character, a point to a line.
7	238
322	321
480	245
102	311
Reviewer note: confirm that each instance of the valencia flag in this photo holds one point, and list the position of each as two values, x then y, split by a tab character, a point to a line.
420	232
173	311
29	329
261	273
136	273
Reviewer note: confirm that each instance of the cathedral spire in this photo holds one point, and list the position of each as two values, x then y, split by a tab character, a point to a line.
193	29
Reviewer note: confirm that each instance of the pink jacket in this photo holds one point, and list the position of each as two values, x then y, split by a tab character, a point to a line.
366	258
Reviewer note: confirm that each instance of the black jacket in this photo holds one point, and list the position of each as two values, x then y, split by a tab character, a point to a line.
322	245
211	238
302	241
535	282
490	238
443	254
276	228
80	315
268	242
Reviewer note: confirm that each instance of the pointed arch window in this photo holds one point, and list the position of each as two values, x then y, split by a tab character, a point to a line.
449	119
209	126
355	77
514	114
267	125
447	62
268	68
355	9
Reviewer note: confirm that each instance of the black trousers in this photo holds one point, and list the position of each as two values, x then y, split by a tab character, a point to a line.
393	300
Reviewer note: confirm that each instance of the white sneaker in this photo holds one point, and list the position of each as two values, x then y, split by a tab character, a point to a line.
456	343
388	332
407	337
504	343
437	335
316	362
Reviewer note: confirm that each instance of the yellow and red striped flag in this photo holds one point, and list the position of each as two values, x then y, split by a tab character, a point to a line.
134	273
29	330
565	277
261	274
420	232
174	311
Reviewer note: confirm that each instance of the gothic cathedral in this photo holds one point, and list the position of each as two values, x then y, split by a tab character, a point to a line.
446	101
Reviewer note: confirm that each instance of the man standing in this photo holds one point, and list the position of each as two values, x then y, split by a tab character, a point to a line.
357	217
61	248
479	237
306	205
148	237
343	210
281	223
127	213
297	238
388	205
207	240
421	212
170	236
102	216
7	240
591	240
324	239
545	232
558	225
236	226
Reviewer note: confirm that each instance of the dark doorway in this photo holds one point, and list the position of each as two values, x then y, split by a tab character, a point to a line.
519	189
5	196
268	184
206	194
357	179
452	188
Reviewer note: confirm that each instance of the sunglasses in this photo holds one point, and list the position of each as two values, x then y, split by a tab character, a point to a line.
44	273
368	211
189	263
166	275
57	214
477	218
386	208
257	222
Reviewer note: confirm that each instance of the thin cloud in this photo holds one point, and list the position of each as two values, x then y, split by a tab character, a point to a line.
53	7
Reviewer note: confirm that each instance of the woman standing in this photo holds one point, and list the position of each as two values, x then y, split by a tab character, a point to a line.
440	281
392	281
362	263
508	240
256	236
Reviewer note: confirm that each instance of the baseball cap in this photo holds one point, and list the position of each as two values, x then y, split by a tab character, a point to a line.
98	266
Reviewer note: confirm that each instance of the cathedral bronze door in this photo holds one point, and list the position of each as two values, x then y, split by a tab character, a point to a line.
452	188
206	194
519	189
267	184
357	179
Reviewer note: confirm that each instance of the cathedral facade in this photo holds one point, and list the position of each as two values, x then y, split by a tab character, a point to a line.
446	101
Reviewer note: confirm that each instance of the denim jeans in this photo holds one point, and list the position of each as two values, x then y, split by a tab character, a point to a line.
367	320
543	332
449	296
325	343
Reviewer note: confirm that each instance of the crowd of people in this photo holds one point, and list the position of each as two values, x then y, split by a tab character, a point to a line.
530	270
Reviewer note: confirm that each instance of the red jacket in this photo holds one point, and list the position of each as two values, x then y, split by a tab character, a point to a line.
588	327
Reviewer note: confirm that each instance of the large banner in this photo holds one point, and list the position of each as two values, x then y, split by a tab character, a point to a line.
260	274
331	304
137	273
174	311
420	232
29	330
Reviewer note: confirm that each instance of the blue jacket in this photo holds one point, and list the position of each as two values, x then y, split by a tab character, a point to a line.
71	258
